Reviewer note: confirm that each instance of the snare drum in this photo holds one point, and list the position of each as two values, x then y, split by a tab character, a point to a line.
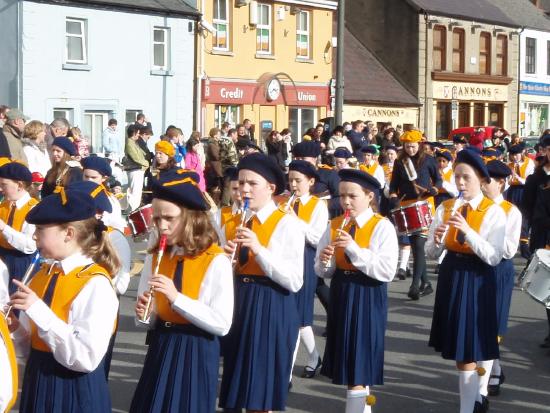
141	221
412	218
536	278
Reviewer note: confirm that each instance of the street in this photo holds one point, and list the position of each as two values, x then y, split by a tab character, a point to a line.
417	379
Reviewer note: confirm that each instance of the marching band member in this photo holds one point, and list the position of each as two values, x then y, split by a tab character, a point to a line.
17	245
68	310
8	368
499	172
270	258
313	217
464	325
193	303
361	259
415	177
448	190
165	160
387	166
98	170
459	143
64	169
341	158
371	165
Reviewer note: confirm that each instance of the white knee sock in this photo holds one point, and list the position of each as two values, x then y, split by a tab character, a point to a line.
404	254
308	339
484	380
356	401
468	383
294	356
496	371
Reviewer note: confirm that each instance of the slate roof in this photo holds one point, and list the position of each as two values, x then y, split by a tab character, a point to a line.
477	10
171	7
524	13
366	80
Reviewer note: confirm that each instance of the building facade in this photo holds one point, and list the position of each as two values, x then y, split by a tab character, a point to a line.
268	61
99	61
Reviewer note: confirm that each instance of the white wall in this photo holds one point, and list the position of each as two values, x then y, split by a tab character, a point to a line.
541	75
120	53
8	53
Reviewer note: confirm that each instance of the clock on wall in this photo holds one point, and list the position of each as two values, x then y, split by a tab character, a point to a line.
273	89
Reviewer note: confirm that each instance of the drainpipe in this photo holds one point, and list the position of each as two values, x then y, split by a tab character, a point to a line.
519	78
20	54
426	74
198	120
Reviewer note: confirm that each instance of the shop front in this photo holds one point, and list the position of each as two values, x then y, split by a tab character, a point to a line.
270	103
407	117
534	99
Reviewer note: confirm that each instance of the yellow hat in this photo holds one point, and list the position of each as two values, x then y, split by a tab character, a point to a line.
166	148
413	136
4	160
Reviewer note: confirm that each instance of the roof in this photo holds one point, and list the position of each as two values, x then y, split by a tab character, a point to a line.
524	13
477	10
171	7
368	81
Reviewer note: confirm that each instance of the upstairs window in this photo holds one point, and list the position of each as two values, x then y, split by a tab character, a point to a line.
161	43
502	55
221	24
263	29
485	53
303	35
458	50
530	55
76	41
439	48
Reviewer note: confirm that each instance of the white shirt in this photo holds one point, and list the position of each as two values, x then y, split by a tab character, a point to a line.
513	229
122	248
488	244
4	286
380	176
449	186
379	261
315	228
81	343
213	310
283	259
6	392
528	171
38	160
114	219
21	241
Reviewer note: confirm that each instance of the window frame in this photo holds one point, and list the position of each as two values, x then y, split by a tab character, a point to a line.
441	49
83	39
268	27
301	32
460	50
487	53
166	47
503	55
548	57
530	61
216	22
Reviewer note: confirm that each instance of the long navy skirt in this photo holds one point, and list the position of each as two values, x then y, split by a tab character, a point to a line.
180	373
357	318
464	324
505	287
259	346
306	296
49	387
514	194
17	264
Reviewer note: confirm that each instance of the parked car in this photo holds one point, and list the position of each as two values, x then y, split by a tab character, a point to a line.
468	131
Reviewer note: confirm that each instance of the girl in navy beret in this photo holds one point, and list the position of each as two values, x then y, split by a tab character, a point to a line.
64	168
360	255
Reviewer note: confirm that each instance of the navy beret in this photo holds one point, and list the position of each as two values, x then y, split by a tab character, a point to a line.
184	173
61	207
515	149
369	149
473	149
16	171
342	153
491	152
444	154
266	167
306	149
305	168
66	144
97	192
361	178
434	144
545	141
460	139
471	158
232	173
498	169
391	148
179	188
98	164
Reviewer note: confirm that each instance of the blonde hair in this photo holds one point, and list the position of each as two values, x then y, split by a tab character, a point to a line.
32	129
214	132
92	237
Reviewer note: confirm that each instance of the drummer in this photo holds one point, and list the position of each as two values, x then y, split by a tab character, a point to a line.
448	190
163	162
387	166
415	178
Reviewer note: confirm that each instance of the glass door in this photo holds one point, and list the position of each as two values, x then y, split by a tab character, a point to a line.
95	122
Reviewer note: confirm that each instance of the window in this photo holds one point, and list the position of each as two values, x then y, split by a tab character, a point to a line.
67	113
485	53
161	40
221	24
75	34
302	35
443	119
440	48
530	55
458	50
263	29
226	113
94	124
131	115
502	55
300	120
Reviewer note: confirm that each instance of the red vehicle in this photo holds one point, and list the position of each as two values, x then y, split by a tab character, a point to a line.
469	131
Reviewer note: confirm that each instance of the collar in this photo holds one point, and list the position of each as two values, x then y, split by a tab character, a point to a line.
474	203
304	199
264	213
498	200
235	209
446	169
78	259
364	217
23	200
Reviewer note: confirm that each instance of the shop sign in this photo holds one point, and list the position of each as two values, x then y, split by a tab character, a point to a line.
470	91
533	88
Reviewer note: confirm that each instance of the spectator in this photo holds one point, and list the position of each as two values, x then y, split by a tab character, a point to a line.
142	122
242	132
388	139
229	158
80	142
4	147
145	134
36	186
213	171
338	140
3	111
193	161
287	139
34	146
135	165
225	129
249	129
200	149
58	128
165	161
276	148
13	131
112	142
175	137
65	170
356	138
515	139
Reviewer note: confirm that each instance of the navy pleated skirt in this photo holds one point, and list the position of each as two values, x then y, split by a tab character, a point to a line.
180	373
49	387
17	264
357	318
514	194
505	286
259	346
465	324
306	296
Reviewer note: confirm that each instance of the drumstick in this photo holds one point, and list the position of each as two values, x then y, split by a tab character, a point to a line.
243	221
459	201
162	247
26	278
341	228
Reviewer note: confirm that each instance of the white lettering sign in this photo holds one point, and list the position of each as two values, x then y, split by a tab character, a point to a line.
236	93
306	97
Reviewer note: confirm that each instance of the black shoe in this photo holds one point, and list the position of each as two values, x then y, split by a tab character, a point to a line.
494	389
482	407
290	385
310	372
414	293
401	274
436	269
409	273
426	290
